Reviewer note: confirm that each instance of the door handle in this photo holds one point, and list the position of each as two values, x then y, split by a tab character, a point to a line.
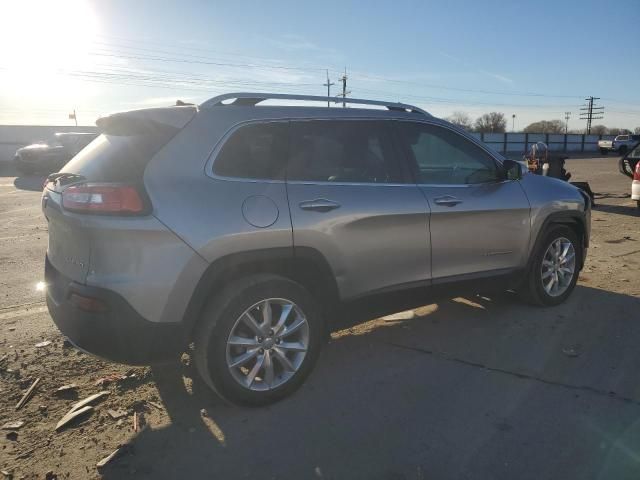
319	205
447	201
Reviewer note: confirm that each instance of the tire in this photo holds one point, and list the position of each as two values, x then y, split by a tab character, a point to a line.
533	290
226	314
626	167
622	150
603	151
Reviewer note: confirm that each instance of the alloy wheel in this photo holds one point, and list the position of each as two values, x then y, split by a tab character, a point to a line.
267	344
558	267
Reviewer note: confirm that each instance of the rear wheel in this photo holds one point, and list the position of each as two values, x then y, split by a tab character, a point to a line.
622	150
258	339
554	270
603	151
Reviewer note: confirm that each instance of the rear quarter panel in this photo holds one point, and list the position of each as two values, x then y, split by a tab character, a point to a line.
207	212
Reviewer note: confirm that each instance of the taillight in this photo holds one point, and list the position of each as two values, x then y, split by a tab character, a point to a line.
102	198
636	172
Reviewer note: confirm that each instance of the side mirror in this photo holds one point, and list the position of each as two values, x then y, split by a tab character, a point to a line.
512	170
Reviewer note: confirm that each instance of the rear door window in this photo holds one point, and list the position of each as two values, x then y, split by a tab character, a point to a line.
345	151
256	151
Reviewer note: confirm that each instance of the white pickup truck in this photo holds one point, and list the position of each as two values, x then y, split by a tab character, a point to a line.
621	144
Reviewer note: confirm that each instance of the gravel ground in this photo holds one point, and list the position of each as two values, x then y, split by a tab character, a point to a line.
470	387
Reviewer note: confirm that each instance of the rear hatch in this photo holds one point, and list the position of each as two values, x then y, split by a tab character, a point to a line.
117	158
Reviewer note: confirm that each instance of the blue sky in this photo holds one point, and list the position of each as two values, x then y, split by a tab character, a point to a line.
533	59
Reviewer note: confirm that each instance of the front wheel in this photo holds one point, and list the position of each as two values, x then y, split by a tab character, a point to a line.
258	339
622	150
603	151
554	269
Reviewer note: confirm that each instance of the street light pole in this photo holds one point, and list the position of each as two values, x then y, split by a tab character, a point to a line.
513	122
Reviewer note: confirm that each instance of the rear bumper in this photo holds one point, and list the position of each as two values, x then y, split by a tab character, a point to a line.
118	333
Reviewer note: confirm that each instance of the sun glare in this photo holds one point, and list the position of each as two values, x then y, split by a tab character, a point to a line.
42	40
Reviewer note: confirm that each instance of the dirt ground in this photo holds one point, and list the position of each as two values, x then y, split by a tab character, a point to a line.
472	387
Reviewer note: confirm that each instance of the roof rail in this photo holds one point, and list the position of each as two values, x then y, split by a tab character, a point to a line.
252	99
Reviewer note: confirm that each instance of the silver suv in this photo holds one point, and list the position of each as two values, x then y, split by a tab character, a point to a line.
243	229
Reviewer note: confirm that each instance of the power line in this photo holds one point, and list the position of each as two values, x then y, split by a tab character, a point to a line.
209	60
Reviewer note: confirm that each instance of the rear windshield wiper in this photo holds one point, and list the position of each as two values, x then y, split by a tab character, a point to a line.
62	178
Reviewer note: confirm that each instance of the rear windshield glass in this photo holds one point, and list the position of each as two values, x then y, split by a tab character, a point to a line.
118	158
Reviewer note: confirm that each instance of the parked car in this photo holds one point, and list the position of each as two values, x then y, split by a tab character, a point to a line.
631	162
627	163
243	229
621	144
50	156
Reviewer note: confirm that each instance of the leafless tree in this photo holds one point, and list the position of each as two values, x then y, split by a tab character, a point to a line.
545	126
637	131
599	130
494	122
618	131
461	119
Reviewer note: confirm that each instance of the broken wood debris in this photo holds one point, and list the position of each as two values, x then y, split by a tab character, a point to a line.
46	343
90	399
135	421
80	408
116	414
154	404
25	398
72	415
116	453
15	425
72	387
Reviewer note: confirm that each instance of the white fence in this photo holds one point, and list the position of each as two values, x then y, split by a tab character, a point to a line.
520	142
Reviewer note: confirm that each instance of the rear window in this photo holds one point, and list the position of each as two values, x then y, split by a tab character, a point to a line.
119	158
622	138
257	151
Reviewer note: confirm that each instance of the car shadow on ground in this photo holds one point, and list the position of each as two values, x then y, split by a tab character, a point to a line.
30	182
460	388
630	210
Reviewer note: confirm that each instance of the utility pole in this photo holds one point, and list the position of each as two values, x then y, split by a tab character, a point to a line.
344	89
566	122
513	122
591	112
73	116
328	85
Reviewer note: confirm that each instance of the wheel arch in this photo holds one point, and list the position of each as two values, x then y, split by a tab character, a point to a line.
304	265
576	221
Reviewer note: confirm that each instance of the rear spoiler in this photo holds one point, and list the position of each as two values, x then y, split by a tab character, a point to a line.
146	121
